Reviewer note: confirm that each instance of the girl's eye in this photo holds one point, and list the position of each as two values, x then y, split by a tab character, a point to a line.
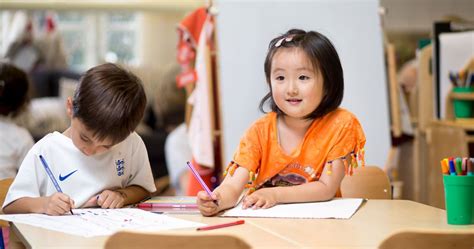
280	78
303	77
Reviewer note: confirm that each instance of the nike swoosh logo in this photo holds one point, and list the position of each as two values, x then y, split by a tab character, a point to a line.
62	178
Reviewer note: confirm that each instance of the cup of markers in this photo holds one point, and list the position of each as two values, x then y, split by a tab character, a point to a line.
458	180
463	82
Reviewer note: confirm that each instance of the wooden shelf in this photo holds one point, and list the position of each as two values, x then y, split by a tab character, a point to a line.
465	123
461	96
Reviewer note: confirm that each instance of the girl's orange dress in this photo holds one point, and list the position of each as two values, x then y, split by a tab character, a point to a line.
338	134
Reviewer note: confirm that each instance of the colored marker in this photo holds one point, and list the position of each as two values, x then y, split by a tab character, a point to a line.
239	222
464	165
458	166
200	180
444	166
470	162
50	174
452	168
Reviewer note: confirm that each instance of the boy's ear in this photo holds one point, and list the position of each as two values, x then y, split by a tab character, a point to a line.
69	106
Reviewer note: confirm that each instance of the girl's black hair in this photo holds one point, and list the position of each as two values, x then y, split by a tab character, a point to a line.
14	86
324	58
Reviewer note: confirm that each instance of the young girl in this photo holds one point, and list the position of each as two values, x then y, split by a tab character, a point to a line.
301	150
15	141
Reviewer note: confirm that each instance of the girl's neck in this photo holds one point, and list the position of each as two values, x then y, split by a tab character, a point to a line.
296	124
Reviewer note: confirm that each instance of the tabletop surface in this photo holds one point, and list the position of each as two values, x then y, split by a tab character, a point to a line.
374	221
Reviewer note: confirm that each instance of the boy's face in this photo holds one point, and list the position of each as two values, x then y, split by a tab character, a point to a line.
83	138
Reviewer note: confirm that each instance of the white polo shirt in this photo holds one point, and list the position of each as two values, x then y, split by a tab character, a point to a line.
78	175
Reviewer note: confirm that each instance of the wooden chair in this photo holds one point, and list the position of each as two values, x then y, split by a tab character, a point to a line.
148	240
368	182
4	186
428	240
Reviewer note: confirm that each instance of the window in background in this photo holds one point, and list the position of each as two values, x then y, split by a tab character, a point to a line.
120	39
76	35
97	37
89	38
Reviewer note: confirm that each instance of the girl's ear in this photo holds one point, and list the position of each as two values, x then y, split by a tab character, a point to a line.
69	106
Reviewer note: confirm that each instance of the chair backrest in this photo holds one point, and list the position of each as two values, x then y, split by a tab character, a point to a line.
148	240
368	182
429	240
4	186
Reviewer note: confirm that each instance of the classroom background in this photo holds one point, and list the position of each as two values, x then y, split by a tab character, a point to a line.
407	65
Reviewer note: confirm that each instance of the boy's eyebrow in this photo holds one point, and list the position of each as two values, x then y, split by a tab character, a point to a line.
85	136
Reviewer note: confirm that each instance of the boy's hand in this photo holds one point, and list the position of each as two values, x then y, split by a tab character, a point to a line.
206	204
262	198
110	199
58	204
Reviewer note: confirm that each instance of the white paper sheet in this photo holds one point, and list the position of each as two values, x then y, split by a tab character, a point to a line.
336	208
101	222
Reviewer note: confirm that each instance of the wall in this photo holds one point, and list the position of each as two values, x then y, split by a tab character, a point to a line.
159	37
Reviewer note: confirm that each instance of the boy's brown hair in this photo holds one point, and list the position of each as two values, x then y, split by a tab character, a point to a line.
110	102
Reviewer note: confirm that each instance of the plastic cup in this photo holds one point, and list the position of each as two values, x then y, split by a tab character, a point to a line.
463	108
459	197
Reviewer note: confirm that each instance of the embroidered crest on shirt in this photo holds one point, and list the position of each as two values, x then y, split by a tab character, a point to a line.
120	166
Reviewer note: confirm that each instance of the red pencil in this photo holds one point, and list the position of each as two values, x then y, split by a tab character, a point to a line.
221	225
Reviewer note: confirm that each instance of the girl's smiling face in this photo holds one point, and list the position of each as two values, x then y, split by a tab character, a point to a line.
297	87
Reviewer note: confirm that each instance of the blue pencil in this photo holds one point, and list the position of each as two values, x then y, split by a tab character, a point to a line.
50	174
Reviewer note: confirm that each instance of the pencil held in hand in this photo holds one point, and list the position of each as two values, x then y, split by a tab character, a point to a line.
51	176
201	181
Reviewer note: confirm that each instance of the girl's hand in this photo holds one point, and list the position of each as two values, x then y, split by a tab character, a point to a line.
58	204
262	198
206	204
110	199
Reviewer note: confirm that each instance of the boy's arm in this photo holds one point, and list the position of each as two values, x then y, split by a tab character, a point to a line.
55	204
25	205
133	194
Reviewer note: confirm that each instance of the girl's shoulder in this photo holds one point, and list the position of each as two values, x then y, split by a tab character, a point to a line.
341	114
264	122
340	118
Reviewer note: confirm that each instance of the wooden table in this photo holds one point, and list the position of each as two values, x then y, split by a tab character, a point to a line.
374	221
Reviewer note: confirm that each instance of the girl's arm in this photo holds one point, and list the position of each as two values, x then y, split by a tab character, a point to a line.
324	189
227	194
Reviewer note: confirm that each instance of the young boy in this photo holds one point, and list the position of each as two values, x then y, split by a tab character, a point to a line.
99	160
